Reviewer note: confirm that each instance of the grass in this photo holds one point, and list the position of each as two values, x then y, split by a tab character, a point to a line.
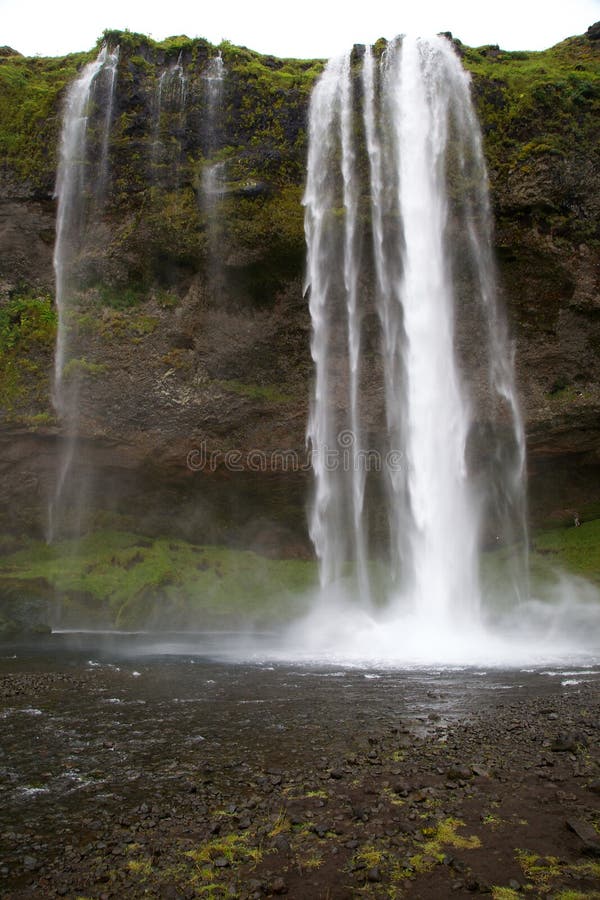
125	580
233	850
544	871
575	549
444	834
135	582
254	391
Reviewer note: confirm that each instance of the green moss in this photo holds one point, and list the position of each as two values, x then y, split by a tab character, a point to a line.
575	549
30	95
564	397
255	391
140	867
79	367
543	873
135	582
539	104
120	297
444	834
235	848
27	336
141	63
166	300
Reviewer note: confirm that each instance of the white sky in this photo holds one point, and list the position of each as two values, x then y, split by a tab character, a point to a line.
301	28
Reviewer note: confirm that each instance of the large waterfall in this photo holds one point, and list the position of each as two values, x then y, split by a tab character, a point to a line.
416	437
80	189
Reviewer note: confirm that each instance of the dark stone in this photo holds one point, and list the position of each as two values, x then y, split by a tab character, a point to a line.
593	32
182	341
403	790
281	843
459	773
568	742
278	886
587	834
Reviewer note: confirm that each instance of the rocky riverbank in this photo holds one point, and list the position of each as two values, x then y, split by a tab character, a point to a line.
187	778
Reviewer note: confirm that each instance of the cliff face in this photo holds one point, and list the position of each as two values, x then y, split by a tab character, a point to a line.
191	331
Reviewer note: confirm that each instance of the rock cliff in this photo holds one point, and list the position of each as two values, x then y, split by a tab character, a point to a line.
191	328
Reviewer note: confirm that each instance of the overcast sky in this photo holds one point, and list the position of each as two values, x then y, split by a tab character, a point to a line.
301	28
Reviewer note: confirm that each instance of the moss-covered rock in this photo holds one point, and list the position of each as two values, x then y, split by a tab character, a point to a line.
25	606
190	324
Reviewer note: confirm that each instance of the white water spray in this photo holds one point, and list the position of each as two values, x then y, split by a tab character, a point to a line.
416	172
80	194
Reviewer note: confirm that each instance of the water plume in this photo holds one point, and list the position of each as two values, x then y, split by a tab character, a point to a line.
398	231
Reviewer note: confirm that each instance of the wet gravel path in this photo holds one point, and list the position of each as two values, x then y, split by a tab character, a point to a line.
177	776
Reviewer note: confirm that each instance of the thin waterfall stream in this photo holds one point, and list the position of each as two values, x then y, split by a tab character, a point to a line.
80	191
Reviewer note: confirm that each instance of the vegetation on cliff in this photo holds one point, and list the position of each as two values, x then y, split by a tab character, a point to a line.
155	314
27	333
31	90
540	113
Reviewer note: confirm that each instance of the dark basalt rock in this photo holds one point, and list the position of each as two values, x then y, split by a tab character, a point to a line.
593	32
569	742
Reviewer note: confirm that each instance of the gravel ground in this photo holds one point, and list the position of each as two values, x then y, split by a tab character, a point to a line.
183	777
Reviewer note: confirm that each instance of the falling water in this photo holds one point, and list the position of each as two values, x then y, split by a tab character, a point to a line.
171	96
213	174
411	164
80	194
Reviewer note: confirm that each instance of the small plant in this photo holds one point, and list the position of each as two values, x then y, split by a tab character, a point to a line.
79	367
504	893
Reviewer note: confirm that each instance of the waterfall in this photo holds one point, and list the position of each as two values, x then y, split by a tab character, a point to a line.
80	192
394	417
214	172
171	96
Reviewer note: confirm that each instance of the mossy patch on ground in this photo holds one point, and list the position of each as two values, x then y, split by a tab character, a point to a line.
575	549
571	550
128	581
